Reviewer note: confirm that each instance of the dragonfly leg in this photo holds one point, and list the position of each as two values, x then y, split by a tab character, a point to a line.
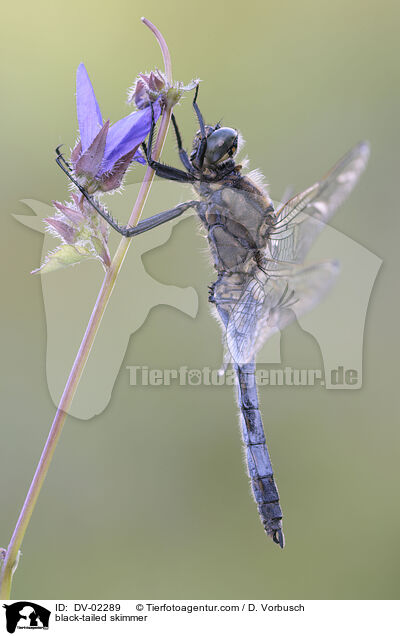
198	113
167	172
161	169
142	226
60	161
201	152
159	219
182	152
62	158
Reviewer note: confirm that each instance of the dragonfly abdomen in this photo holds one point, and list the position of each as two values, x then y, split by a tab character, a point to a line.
258	460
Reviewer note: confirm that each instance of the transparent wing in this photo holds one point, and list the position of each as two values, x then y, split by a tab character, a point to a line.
285	290
299	293
300	220
270	305
243	319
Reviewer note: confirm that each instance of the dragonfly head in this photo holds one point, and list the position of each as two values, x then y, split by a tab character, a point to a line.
222	144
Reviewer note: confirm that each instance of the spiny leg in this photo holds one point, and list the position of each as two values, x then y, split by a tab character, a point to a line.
107	217
198	113
159	219
162	170
182	152
201	151
167	172
142	226
60	154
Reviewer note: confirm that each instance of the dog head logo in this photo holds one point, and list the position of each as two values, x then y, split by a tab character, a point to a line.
26	615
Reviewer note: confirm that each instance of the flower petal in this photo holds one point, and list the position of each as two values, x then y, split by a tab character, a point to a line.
112	180
90	161
76	152
89	115
61	230
126	134
72	215
139	158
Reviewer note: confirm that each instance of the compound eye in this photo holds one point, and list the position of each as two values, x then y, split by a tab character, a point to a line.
233	150
221	144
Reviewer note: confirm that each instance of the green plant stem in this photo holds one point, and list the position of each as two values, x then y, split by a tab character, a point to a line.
107	287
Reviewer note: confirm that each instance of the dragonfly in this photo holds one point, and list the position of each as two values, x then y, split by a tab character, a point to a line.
258	251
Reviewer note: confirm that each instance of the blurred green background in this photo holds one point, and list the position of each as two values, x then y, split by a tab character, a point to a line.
149	499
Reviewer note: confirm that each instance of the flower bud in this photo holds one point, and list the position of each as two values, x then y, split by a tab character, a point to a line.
147	88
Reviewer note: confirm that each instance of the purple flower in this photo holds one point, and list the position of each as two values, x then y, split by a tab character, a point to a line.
105	152
153	86
147	88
